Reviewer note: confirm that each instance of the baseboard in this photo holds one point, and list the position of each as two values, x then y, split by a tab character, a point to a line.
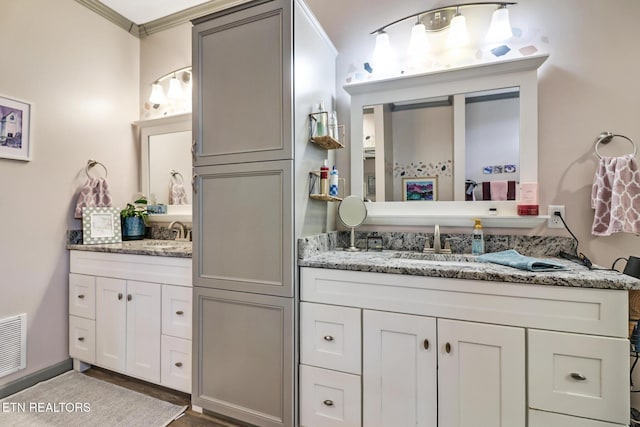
36	377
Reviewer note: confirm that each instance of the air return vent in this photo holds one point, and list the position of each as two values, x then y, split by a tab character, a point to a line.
13	344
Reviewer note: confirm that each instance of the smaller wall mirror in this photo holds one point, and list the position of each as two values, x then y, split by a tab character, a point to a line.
165	166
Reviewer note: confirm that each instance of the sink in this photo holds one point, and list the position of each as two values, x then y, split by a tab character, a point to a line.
431	257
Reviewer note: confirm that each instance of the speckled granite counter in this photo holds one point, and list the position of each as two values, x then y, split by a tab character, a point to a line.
325	255
166	248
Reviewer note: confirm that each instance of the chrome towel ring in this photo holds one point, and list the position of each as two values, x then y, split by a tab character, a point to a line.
91	163
606	137
175	174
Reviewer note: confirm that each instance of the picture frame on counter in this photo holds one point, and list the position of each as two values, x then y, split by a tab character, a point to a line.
101	225
15	126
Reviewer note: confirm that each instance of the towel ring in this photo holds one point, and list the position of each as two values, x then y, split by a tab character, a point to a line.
91	163
606	137
175	174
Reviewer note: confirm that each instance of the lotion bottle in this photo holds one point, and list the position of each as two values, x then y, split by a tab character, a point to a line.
477	239
333	182
324	178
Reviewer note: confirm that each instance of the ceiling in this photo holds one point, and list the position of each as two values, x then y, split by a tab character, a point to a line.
144	11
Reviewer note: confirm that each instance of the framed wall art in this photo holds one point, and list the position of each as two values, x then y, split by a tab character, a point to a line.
15	126
420	188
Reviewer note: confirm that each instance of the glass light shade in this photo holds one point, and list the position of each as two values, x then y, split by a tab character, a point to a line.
500	28
175	89
418	44
458	34
383	52
157	94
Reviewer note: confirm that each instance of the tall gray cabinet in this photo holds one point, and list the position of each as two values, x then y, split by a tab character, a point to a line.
259	69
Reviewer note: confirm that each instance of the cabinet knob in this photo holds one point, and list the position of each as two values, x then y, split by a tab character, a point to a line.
178	364
80	338
119	296
447	348
426	344
328	402
81	296
577	376
328	338
179	312
129	297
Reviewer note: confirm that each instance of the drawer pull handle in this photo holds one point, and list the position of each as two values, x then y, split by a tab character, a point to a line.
179	312
119	296
328	338
577	376
426	344
447	348
178	364
81	296
80	338
129	297
328	402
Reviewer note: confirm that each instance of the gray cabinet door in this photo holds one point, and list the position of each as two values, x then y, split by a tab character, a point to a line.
244	351
243	228
242	72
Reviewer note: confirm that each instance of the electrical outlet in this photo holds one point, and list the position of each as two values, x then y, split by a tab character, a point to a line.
554	221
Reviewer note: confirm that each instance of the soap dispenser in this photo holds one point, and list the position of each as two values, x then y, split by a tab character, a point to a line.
477	239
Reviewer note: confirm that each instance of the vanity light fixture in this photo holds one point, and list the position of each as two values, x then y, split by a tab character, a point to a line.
442	18
175	92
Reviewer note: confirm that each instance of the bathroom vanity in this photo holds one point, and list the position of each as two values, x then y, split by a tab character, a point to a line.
390	339
130	310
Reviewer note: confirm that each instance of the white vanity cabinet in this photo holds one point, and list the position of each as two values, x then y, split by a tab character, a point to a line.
453	352
132	314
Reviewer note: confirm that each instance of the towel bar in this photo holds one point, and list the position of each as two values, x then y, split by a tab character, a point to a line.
606	137
91	163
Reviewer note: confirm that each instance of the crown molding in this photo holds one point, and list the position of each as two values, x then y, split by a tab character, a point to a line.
143	30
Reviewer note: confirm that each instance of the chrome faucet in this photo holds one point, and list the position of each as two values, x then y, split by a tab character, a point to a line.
437	243
181	229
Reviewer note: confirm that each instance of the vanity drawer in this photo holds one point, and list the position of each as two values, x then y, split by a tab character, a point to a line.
330	337
176	311
82	296
549	419
329	398
175	363
579	375
82	339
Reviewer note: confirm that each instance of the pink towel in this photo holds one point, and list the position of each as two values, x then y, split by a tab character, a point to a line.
93	193
499	190
177	193
615	196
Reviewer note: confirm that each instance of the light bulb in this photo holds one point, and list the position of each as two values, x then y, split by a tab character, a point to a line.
500	28
157	94
418	44
458	35
175	89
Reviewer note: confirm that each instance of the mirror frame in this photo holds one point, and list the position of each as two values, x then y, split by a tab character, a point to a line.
148	128
520	72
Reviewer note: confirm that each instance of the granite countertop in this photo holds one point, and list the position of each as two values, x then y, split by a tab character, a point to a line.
167	248
392	262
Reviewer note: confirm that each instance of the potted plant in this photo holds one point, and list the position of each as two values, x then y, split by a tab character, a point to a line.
134	217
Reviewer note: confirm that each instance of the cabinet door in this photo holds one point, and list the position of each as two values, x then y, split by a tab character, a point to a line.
242	84
143	330
481	375
111	323
243	228
243	356
399	370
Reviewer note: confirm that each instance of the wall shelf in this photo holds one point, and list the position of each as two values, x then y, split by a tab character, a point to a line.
325	198
327	142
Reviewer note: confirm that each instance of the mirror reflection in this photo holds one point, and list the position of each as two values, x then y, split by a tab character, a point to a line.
411	148
170	168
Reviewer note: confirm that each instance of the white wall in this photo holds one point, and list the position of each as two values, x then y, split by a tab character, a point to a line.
589	84
81	73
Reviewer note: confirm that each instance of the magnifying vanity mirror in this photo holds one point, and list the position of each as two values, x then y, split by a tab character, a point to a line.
352	212
165	166
431	143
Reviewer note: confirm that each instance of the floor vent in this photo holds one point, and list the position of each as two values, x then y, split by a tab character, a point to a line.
13	344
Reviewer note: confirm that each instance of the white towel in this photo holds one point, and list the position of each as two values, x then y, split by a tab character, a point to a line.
615	196
177	193
93	193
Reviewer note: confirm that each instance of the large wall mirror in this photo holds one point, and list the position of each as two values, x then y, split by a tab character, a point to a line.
165	167
445	146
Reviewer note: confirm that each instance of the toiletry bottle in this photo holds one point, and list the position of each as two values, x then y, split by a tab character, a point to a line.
333	182
324	178
477	239
321	120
